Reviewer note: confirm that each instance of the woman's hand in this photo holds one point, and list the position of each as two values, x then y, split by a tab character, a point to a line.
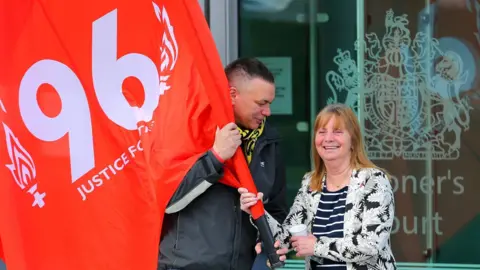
303	245
248	199
281	252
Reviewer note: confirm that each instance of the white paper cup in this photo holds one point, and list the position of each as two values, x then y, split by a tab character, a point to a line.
298	230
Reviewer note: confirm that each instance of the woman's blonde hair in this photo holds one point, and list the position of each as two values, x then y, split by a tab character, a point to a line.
345	119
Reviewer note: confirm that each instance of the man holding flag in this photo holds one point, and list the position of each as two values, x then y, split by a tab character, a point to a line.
203	226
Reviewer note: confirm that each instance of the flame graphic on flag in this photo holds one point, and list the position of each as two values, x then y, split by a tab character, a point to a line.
168	49
22	167
2	107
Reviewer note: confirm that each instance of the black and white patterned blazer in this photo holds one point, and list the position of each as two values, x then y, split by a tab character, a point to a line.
369	215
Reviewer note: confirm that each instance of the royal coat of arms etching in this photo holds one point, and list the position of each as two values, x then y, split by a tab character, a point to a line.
411	102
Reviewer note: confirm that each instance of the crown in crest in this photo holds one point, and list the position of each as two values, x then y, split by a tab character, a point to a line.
342	57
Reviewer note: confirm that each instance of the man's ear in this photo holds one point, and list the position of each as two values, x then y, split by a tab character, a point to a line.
233	94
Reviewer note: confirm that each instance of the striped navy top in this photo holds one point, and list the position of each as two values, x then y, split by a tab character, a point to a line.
329	222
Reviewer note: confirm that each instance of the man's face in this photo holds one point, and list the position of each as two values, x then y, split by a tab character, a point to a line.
251	101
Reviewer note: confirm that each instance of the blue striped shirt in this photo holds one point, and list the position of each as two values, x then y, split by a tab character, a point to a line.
329	222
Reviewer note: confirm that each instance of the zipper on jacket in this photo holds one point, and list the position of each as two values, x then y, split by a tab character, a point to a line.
234	236
177	236
238	236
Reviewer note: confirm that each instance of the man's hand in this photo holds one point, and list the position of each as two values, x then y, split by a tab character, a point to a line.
227	140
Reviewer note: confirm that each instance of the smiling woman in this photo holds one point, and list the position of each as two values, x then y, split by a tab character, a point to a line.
338	146
346	202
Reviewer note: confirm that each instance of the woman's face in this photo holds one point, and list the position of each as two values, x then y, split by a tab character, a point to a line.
333	142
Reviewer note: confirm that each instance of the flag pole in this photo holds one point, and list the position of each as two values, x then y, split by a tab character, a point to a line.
268	242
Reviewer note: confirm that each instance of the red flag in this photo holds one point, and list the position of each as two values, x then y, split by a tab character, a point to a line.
79	81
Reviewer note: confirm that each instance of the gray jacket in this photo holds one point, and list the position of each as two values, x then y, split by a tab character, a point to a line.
204	228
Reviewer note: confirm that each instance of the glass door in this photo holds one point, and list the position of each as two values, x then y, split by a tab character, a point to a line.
278	33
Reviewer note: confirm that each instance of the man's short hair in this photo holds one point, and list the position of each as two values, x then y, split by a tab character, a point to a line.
249	68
